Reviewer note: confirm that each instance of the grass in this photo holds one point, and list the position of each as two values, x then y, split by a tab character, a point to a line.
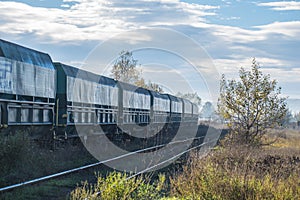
54	189
22	159
239	172
285	138
116	186
232	172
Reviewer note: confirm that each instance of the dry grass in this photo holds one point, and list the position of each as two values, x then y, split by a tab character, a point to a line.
240	172
285	138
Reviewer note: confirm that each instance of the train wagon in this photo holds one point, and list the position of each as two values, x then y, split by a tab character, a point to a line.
134	109
176	110
84	99
195	113
188	112
27	88
161	108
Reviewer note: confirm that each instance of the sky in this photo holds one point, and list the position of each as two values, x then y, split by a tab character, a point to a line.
174	41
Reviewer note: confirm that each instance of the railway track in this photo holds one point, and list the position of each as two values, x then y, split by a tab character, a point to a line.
60	181
56	175
85	172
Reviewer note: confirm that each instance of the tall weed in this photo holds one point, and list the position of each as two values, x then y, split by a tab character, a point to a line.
238	173
117	186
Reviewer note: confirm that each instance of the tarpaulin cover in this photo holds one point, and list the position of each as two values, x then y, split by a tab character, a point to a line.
91	92
25	55
86	87
135	97
195	109
132	99
188	108
26	72
161	102
176	104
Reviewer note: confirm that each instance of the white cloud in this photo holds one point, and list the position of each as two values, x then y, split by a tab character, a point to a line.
233	37
65	6
282	5
97	20
289	29
232	34
230	18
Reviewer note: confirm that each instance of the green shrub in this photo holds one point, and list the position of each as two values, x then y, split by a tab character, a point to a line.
14	149
117	186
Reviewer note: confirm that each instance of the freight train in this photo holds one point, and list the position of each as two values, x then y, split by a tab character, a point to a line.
59	99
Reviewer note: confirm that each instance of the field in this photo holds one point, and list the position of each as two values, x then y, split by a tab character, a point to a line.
231	172
237	172
227	172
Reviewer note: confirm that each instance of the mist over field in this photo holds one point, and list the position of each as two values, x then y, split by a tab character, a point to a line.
294	105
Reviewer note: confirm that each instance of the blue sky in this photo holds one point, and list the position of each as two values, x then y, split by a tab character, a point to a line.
232	32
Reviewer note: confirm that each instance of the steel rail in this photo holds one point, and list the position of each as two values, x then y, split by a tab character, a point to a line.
158	164
178	155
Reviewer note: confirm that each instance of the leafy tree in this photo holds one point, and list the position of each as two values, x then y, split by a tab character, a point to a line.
149	85
125	70
251	105
154	87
